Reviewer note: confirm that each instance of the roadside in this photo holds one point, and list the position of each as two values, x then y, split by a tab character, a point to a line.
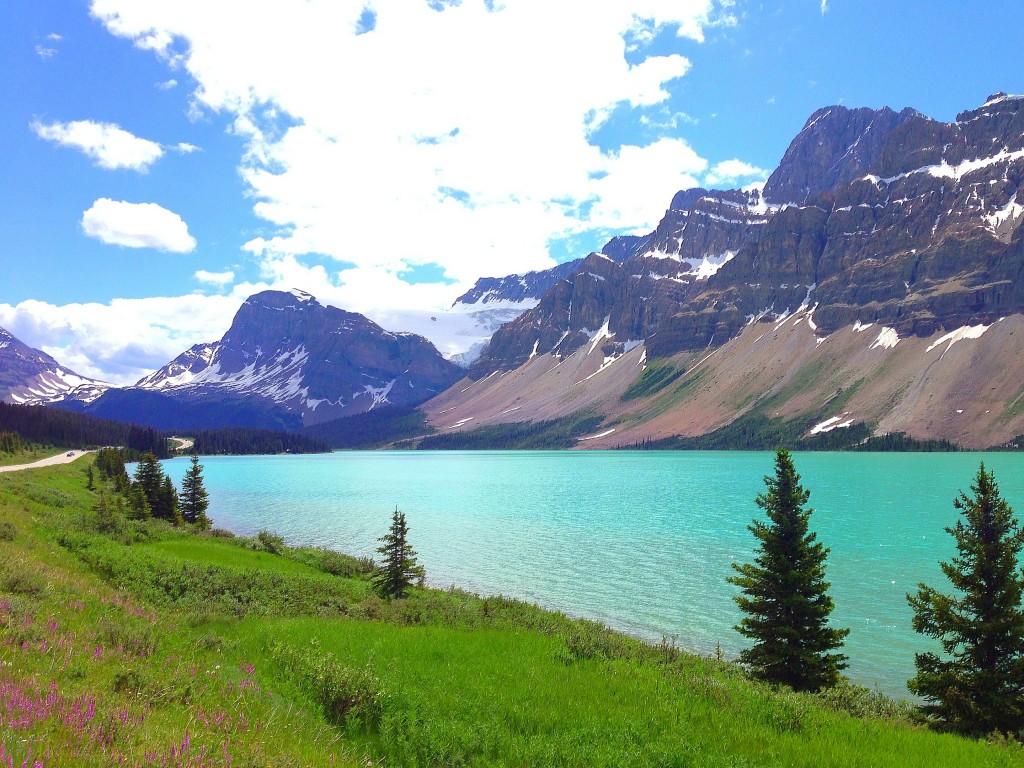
183	443
63	458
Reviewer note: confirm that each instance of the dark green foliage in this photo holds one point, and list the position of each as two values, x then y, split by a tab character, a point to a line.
168	509
8	531
785	595
1013	444
138	504
241	441
656	376
398	570
524	435
373	429
10	442
194	499
110	464
269	542
900	441
54	426
149	476
91	475
978	688
329	561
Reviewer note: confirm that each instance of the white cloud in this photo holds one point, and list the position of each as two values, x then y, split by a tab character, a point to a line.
167	85
124	340
137	225
45	53
107	144
824	7
219	279
733	171
185	148
461	138
55	37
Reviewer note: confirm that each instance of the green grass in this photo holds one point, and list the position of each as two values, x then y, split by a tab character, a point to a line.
162	647
29	455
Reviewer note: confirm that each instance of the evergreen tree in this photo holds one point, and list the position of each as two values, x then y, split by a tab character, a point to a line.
138	504
194	498
149	476
979	687
91	485
167	507
785	595
399	570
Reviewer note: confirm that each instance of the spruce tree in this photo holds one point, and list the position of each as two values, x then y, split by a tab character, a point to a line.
785	595
194	499
399	570
978	688
149	476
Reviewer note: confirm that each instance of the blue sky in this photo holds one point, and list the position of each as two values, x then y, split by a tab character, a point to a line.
163	160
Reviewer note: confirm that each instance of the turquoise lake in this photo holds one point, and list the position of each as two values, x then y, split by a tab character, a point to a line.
639	540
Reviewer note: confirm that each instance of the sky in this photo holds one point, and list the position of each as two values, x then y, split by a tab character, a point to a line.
165	159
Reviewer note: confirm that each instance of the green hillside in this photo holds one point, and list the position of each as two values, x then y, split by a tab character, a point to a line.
149	645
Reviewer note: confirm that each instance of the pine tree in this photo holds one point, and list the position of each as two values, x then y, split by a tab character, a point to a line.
194	499
149	476
979	687
785	595
399	570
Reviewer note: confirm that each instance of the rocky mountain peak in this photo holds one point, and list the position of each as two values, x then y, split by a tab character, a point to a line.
836	145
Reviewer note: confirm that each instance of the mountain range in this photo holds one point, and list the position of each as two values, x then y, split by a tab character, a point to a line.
872	284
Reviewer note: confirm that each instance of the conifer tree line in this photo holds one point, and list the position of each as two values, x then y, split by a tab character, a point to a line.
66	429
975	687
149	493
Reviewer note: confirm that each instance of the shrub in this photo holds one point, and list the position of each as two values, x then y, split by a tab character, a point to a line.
350	697
8	531
270	542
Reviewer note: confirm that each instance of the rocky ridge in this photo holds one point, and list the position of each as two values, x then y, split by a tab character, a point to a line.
31	377
872	216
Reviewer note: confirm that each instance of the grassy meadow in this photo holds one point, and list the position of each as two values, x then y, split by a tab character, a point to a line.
147	645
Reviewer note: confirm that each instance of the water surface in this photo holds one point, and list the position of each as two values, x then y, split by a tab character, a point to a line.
640	540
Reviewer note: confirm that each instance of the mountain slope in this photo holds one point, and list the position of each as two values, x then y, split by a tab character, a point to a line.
873	217
31	377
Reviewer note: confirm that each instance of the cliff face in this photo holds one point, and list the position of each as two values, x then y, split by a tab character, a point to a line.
872	216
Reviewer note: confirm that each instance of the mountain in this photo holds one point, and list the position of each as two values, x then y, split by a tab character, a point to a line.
463	331
873	218
287	361
31	377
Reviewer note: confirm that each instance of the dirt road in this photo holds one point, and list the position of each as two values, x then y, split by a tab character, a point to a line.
63	458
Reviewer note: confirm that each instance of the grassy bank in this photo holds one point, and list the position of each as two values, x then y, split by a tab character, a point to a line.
145	645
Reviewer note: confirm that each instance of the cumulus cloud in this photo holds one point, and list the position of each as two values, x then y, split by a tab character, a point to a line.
124	340
733	171
218	279
461	137
107	144
137	225
167	85
44	52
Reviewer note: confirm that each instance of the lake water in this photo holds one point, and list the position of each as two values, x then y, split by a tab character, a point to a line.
639	540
